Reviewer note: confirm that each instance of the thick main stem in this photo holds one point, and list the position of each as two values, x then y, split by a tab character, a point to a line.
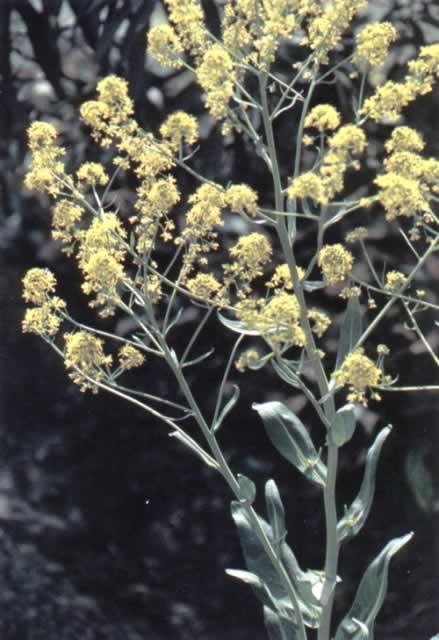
332	543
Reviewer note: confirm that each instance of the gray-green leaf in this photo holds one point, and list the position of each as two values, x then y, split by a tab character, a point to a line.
343	427
237	326
276	512
247	488
290	437
370	595
351	330
356	515
279	628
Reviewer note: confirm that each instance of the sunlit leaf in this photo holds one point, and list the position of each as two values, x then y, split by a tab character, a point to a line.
343	427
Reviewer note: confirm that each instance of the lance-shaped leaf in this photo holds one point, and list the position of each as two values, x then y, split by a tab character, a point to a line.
356	515
227	407
290	437
276	513
343	426
237	326
278	627
370	595
287	372
351	330
259	588
259	563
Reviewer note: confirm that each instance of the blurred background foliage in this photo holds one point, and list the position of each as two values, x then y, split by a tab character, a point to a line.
107	529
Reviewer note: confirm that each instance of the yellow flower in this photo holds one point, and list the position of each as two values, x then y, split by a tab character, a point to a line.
113	92
321	321
401	196
373	43
281	279
37	285
323	117
404	139
164	45
216	76
103	275
130	357
247	359
336	263
251	253
240	197
359	233
358	372
308	185
46	167
190	25
389	100
93	174
349	139
66	216
395	280
405	164
41	135
41	321
206	287
178	128
86	352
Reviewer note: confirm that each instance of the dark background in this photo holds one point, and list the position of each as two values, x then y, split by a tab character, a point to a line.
108	528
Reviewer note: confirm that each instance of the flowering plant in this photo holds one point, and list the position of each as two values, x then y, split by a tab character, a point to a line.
261	294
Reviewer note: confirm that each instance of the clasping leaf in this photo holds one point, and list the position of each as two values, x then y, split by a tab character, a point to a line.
290	437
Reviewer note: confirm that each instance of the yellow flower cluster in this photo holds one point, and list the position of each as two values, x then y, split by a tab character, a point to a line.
100	257
390	98
359	233
241	197
401	196
216	76
93	174
207	288
321	321
154	203
278	319
404	139
321	186
65	220
190	24
179	128
164	45
336	263
130	357
373	43
323	117
247	359
395	280
203	216
42	319
358	372
46	169
281	279
84	351
325	31
251	253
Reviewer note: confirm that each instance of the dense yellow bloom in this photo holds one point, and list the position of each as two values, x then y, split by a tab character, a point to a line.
321	321
164	45
401	196
46	165
241	197
95	114
308	185
349	139
336	262
404	139
113	92
281	279
359	373
42	320
92	173
105	232
65	220
190	25
154	202
277	319
395	280
373	43
103	275
38	284
250	254
389	100
85	351
323	117
206	287
405	163
179	128
216	76
424	70
130	357
325	31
